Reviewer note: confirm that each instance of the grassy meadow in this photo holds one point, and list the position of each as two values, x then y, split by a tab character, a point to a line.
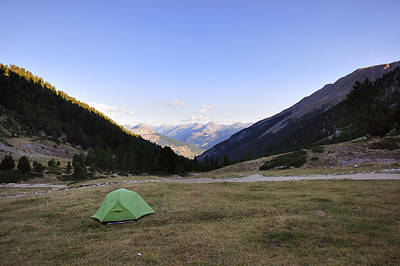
271	223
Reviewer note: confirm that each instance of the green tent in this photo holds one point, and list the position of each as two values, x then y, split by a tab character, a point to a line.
122	205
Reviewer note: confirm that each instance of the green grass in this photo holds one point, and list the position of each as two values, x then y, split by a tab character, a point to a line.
271	223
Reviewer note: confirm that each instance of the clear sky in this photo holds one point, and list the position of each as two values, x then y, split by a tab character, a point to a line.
179	61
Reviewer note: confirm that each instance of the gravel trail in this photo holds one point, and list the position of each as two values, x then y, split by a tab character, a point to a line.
385	175
260	178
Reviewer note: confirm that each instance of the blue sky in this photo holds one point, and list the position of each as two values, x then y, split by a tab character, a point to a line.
181	61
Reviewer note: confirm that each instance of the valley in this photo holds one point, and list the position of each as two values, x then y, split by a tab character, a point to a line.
200	133
204	136
335	197
181	148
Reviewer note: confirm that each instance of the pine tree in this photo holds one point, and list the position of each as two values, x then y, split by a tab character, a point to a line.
206	164
69	167
215	164
226	161
7	163
212	164
24	165
131	161
365	111
79	164
168	160
109	160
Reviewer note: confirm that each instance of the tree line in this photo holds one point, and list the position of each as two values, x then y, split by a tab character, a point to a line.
24	165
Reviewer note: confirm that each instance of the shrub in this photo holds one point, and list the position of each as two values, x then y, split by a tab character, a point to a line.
318	149
51	163
386	143
12	177
294	159
38	167
315	158
54	172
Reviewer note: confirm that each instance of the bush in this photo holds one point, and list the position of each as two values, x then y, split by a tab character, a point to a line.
51	163
386	143
38	167
54	172
318	149
15	176
294	159
7	163
315	158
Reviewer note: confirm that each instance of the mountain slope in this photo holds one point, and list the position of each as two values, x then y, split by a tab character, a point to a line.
298	124
41	109
204	136
181	148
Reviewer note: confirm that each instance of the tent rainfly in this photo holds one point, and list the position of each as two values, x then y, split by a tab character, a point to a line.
122	205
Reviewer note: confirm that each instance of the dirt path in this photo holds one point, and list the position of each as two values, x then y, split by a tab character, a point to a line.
260	178
389	175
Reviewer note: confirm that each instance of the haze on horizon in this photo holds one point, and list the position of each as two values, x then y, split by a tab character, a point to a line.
179	61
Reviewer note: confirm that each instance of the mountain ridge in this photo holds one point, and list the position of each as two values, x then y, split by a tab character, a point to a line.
266	130
202	135
181	148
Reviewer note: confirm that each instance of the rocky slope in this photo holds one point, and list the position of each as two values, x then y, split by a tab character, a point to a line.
347	156
181	148
272	131
14	141
204	136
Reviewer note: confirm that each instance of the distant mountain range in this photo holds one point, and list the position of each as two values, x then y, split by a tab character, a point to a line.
204	136
181	148
304	123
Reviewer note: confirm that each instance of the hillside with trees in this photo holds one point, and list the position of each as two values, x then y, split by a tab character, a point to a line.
370	108
43	110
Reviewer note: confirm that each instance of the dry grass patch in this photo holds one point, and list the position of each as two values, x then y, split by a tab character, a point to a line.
11	191
289	223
